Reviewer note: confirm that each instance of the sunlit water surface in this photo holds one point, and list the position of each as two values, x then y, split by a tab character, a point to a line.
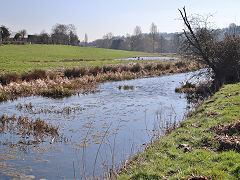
96	131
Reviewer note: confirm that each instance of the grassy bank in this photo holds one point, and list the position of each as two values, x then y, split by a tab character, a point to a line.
205	145
22	58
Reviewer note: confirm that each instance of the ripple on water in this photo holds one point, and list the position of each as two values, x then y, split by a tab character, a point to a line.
109	122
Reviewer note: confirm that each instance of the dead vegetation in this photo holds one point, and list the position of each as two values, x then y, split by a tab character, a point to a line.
228	136
221	55
34	130
197	93
81	79
126	87
186	87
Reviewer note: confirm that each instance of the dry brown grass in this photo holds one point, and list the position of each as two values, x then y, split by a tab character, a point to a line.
82	80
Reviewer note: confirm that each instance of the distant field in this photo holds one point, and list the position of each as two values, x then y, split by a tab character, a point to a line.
21	58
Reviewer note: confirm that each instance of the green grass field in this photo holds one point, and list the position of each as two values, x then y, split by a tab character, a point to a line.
21	58
165	160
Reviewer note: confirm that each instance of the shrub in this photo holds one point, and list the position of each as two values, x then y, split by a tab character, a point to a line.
221	55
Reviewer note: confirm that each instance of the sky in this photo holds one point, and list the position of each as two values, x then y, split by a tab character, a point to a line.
99	17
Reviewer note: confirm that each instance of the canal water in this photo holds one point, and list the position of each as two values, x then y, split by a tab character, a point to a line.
96	132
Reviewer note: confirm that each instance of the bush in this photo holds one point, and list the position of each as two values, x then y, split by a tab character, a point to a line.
227	59
221	55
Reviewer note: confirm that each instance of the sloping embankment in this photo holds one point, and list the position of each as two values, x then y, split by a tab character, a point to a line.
205	146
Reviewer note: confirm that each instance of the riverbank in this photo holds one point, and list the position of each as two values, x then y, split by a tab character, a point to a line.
67	82
205	145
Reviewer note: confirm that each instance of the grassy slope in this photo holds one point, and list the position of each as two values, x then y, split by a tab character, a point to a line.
165	159
15	58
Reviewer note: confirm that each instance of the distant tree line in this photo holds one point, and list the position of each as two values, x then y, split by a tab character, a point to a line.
149	42
153	41
61	34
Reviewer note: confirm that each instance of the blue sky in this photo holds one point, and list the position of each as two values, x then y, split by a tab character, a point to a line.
98	17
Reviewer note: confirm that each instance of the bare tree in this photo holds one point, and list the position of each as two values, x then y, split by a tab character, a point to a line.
45	38
232	28
153	35
107	40
127	42
136	39
175	43
86	40
222	56
60	34
23	32
162	44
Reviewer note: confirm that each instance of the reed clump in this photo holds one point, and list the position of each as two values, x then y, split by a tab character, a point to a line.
75	72
136	68
26	127
148	67
186	87
95	70
126	87
82	79
36	74
57	92
8	77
